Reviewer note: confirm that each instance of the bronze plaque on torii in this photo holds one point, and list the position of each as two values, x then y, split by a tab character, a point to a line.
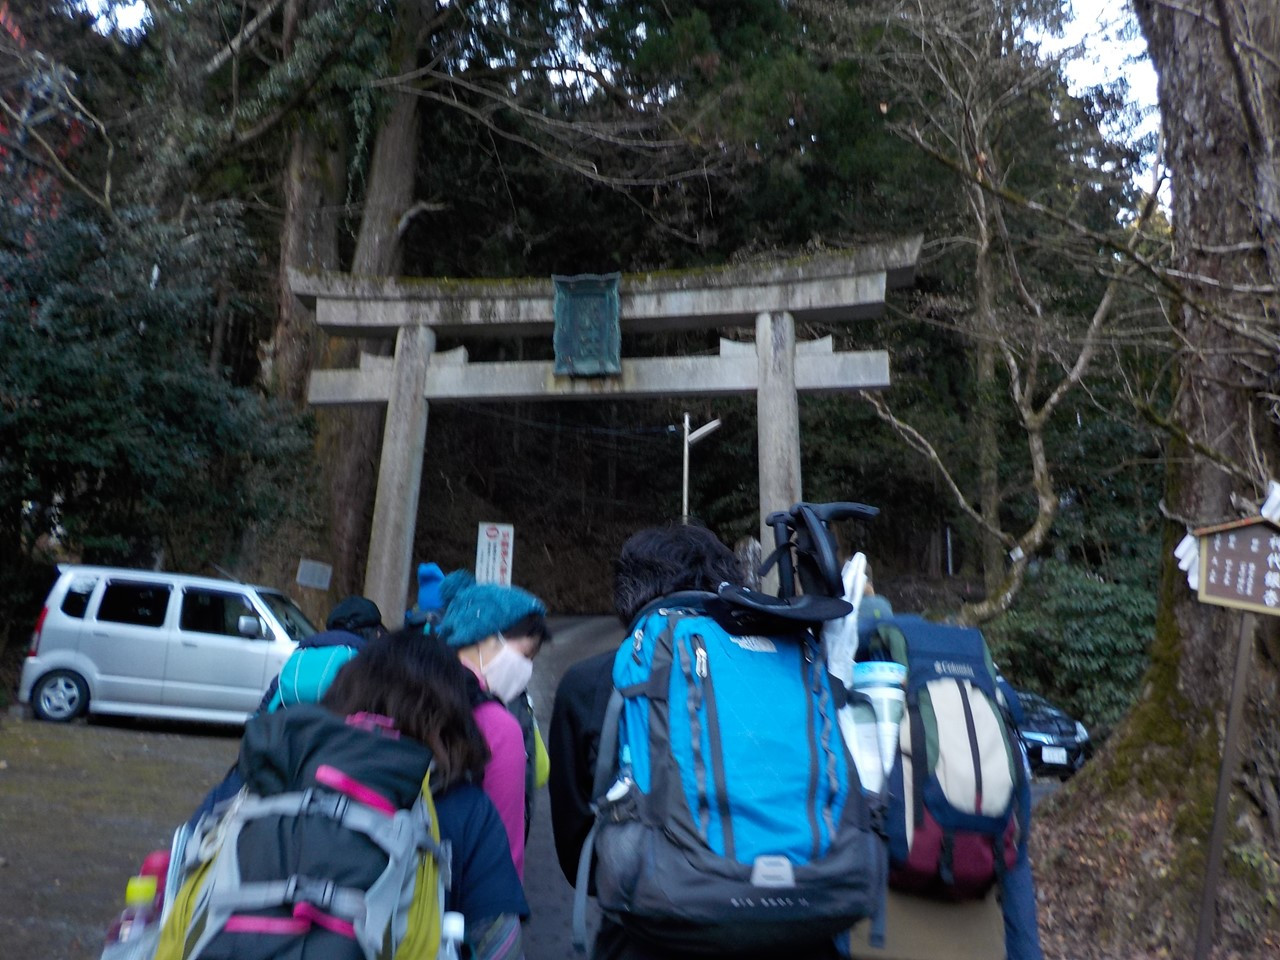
588	331
1240	565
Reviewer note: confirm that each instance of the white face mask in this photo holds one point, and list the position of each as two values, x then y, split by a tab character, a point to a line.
507	674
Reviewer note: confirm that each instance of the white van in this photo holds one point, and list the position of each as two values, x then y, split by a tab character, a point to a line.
153	644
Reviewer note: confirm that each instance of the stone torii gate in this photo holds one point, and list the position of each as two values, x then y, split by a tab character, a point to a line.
847	287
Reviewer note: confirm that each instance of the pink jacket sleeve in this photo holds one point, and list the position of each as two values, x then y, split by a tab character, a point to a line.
504	774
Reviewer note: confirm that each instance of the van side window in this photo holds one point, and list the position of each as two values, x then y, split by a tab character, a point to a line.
212	611
143	604
76	601
295	622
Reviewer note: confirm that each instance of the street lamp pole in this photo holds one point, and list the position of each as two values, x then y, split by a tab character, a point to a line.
684	486
689	440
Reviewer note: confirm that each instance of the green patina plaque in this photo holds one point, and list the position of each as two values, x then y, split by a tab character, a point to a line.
588	331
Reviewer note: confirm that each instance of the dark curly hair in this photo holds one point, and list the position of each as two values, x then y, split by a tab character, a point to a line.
657	561
421	686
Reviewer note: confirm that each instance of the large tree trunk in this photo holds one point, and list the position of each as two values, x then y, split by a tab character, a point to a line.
308	241
1209	165
312	193
313	178
350	438
1224	233
1221	134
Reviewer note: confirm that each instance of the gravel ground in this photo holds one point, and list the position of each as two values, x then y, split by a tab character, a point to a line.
80	805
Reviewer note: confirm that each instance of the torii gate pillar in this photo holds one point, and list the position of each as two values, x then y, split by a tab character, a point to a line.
395	508
777	416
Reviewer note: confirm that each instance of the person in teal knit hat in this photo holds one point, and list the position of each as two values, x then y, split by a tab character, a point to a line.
477	612
497	631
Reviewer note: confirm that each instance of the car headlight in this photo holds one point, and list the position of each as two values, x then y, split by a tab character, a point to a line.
1081	733
1037	737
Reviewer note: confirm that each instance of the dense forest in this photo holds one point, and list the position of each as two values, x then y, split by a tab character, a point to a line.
1083	369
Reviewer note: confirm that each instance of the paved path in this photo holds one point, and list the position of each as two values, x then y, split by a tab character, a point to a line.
549	934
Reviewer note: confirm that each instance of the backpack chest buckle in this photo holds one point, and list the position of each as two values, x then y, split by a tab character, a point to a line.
318	893
325	803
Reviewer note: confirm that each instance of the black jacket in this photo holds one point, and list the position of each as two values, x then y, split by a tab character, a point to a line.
572	744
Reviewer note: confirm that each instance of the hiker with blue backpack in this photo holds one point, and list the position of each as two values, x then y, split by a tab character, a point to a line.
653	563
671	796
699	785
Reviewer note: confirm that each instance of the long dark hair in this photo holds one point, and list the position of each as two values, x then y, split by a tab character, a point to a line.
421	686
660	560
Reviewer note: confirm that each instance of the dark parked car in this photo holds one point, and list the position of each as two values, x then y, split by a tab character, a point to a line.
1057	745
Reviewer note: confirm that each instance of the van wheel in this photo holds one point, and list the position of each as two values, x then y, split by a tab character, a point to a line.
60	696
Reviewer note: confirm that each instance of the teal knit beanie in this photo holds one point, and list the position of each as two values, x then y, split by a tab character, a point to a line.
473	611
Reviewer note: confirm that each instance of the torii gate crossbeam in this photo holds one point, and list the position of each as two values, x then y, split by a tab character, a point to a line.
772	297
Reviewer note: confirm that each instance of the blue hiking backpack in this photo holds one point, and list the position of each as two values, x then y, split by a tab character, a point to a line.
310	669
729	813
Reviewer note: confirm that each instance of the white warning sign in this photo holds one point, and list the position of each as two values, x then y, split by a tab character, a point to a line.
494	545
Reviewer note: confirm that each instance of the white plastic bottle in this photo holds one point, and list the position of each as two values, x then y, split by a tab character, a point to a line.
882	682
453	928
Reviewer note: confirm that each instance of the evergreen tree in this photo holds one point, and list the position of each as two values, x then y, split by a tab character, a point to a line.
120	440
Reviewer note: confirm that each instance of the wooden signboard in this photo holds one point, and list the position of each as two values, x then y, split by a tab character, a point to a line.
1240	565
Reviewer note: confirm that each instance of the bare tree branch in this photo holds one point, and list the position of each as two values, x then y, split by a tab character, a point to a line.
918	442
1176	430
611	133
1241	324
1201	279
1099	317
48	157
232	49
583	169
422	206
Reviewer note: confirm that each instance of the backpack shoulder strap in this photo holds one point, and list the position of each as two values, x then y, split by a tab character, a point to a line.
606	765
607	751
